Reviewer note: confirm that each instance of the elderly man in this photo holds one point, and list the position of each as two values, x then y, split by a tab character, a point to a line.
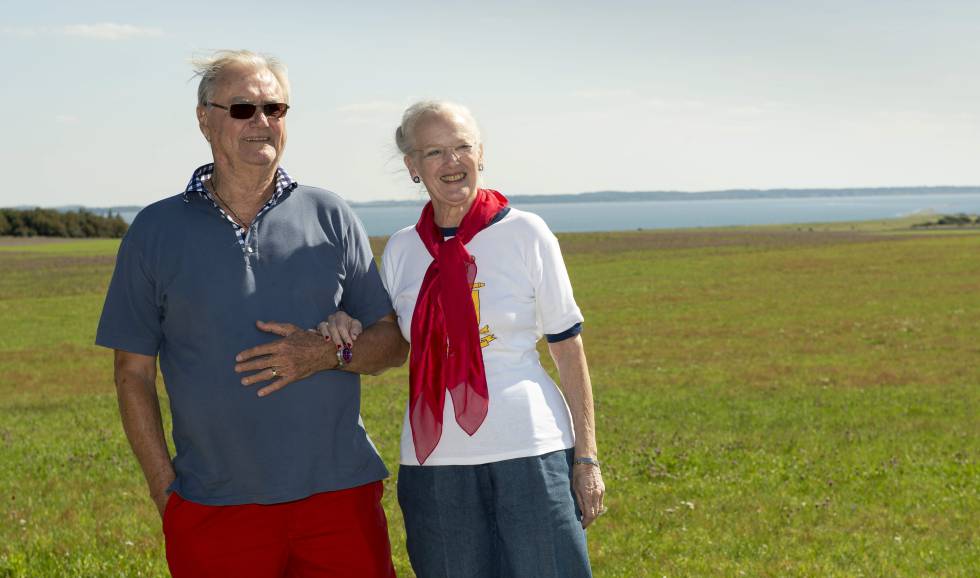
286	484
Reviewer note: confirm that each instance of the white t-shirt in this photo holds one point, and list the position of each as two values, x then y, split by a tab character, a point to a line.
521	292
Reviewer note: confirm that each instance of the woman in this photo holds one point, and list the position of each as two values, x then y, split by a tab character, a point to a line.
491	473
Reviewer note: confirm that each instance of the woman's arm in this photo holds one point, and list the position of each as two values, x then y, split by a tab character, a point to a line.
300	353
573	373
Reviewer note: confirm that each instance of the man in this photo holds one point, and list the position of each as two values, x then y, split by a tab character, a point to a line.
261	485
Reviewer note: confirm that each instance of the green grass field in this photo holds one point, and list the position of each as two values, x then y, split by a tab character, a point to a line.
771	402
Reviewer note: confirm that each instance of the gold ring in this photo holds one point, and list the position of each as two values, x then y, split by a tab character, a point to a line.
275	373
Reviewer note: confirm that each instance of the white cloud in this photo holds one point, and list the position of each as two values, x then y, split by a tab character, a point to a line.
99	31
110	31
375	113
21	31
618	99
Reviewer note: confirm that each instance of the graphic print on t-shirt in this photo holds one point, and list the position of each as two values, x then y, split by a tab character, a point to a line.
485	335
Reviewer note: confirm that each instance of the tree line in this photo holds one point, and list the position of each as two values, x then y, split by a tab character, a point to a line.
52	223
958	220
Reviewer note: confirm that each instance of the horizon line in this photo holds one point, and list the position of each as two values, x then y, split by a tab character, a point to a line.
608	192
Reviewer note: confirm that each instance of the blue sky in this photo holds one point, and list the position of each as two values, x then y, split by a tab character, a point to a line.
572	96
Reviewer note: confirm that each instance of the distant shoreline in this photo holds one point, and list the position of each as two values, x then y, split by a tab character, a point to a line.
652	196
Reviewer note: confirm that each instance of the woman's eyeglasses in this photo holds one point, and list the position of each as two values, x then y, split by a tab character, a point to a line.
244	111
457	152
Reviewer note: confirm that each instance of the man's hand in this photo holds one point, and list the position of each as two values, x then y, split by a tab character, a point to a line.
160	500
299	354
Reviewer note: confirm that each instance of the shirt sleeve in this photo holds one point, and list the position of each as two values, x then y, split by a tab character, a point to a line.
554	301
131	317
387	272
364	297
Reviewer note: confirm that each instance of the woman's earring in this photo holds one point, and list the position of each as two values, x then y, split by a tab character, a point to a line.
416	179
480	166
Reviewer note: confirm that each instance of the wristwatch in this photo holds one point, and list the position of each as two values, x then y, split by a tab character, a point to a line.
344	356
587	460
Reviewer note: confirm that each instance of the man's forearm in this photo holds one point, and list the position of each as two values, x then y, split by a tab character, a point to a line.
139	408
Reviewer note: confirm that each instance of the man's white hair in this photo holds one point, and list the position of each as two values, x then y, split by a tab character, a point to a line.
210	69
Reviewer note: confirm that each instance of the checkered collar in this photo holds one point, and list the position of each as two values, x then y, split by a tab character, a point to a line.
284	183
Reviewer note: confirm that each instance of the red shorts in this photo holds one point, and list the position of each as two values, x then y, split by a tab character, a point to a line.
337	534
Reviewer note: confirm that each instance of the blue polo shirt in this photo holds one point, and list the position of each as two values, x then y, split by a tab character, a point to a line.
188	288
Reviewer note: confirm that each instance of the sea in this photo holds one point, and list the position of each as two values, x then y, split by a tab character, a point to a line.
567	217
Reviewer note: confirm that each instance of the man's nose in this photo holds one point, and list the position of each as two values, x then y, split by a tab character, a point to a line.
260	118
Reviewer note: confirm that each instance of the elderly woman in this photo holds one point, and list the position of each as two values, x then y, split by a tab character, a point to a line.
491	473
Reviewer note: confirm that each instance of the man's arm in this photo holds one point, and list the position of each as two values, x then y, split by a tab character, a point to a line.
300	354
139	408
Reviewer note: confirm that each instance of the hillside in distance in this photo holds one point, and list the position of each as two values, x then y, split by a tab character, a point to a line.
620	196
735	194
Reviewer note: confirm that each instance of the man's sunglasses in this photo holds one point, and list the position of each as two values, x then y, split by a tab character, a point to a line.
244	111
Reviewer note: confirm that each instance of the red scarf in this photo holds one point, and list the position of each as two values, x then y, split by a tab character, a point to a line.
446	352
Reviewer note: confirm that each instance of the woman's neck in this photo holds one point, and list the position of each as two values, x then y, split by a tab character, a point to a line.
449	216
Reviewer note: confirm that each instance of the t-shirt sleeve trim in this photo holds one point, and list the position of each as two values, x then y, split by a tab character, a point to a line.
566	334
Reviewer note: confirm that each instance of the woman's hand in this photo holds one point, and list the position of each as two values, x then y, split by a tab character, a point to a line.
299	354
340	328
589	491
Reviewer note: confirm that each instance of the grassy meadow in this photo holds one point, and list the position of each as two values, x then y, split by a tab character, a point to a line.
771	402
